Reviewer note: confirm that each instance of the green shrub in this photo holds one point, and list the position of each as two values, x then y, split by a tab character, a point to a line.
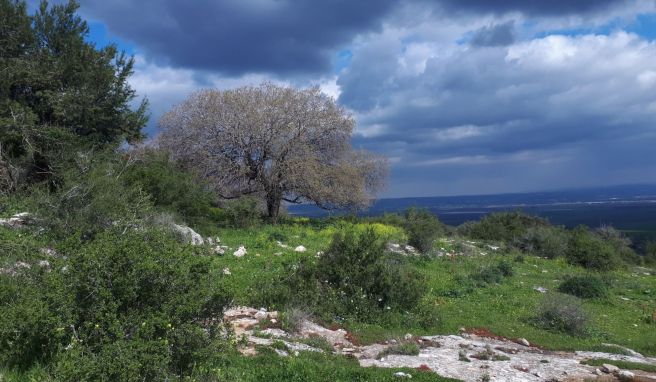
589	250
292	319
170	188
543	241
492	274
422	228
620	243
388	218
562	313
650	252
244	212
118	307
356	277
404	348
364	278
91	195
502	226
586	286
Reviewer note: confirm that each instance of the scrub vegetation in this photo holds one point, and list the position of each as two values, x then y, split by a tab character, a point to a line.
99	280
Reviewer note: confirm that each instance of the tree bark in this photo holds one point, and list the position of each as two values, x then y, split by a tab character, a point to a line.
273	206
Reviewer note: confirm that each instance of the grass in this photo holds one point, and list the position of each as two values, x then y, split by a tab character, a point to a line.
406	348
317	342
307	366
505	308
621	364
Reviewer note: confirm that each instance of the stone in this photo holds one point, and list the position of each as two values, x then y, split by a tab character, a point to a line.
219	249
49	252
281	353
400	374
300	248
407	337
240	252
191	236
410	248
226	271
261	315
625	375
540	289
19	220
524	342
623	348
609	369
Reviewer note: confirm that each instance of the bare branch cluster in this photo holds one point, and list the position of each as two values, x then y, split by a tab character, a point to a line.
276	142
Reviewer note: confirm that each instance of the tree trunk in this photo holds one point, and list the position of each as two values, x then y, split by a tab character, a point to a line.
273	207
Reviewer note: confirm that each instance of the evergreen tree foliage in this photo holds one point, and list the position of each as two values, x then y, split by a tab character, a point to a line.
56	86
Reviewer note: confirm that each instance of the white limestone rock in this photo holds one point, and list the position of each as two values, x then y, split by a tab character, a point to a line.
240	252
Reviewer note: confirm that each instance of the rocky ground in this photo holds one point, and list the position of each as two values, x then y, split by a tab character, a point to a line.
474	355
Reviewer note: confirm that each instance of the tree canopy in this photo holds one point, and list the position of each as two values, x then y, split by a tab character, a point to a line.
56	84
280	143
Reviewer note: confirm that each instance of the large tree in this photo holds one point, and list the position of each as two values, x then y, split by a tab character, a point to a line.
54	85
280	143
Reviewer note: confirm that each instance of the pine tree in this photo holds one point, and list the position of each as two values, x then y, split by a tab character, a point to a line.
57	87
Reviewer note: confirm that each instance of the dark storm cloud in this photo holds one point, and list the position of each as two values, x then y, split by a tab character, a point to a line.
240	36
494	35
531	110
536	114
529	7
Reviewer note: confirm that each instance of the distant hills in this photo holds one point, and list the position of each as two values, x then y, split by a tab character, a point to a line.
631	208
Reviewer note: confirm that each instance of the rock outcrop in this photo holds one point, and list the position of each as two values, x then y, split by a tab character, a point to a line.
468	356
191	236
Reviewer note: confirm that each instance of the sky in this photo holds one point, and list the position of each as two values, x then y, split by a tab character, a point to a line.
462	96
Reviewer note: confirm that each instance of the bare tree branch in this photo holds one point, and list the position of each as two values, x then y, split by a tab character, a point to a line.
280	143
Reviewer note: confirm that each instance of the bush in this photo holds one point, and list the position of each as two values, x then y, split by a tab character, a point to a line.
550	242
170	188
562	313
91	195
492	274
119	307
620	243
292	319
355	277
365	278
404	348
650	252
502	226
422	228
589	250
244	212
587	286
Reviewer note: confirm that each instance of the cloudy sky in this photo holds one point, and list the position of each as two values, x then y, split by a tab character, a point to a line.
463	96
